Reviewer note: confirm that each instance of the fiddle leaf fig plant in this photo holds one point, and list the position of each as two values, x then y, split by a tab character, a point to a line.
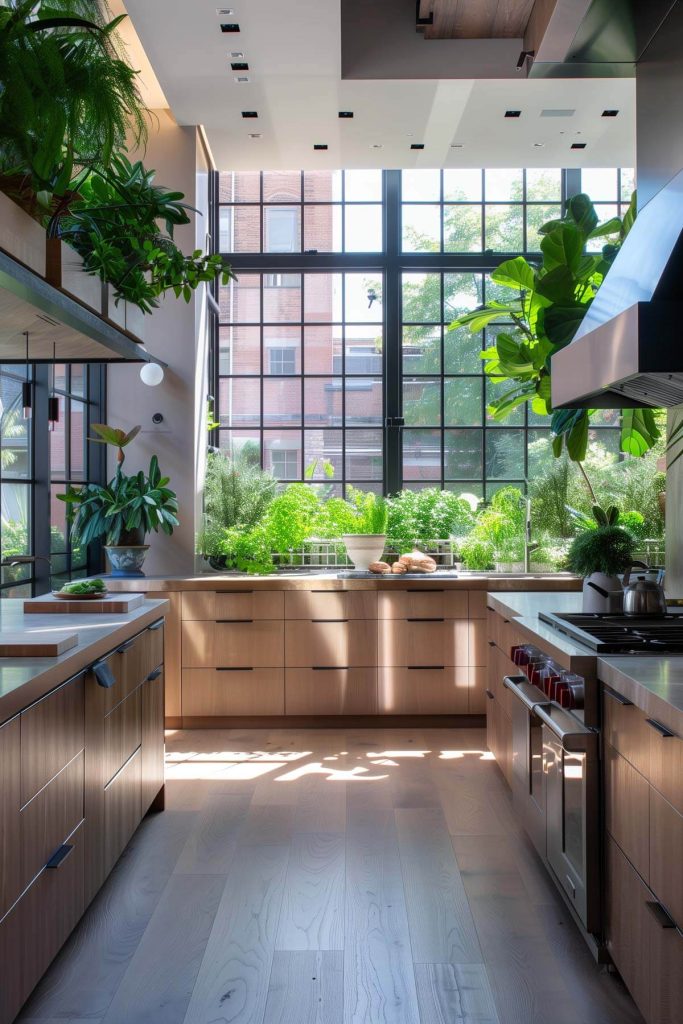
549	301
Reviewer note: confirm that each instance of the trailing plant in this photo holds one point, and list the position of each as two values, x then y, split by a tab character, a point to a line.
128	507
112	217
549	304
68	96
608	549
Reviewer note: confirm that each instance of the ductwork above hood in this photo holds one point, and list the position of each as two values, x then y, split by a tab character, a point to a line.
628	351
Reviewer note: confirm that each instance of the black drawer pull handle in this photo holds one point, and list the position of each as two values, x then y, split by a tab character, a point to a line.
419	590
154	674
425	620
426	668
235	668
661	729
329	620
223	621
489	695
491	643
330	668
233	591
156	625
125	647
327	591
661	916
59	856
625	703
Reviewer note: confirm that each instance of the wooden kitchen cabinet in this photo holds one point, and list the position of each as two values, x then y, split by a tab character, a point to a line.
152	739
666	855
439	690
405	643
51	736
10	803
213	692
319	643
628	925
238	605
626	730
331	691
122	733
416	603
257	643
331	604
50	817
627	809
122	809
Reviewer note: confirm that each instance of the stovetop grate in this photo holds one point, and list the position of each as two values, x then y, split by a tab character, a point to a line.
619	634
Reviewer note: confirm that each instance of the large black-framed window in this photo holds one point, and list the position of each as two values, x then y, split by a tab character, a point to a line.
38	460
375	388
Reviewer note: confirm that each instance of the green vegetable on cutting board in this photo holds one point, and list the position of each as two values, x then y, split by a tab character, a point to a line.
84	587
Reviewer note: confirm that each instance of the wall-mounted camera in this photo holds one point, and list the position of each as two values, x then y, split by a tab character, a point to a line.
157	418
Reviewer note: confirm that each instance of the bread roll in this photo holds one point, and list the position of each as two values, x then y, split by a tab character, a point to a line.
380	567
398	568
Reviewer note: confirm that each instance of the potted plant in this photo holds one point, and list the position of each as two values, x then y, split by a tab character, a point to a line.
123	511
366	536
477	555
509	555
599	555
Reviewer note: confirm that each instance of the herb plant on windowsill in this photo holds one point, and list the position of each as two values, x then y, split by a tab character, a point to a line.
365	538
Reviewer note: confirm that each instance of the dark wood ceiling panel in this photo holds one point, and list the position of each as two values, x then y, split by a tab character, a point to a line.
473	19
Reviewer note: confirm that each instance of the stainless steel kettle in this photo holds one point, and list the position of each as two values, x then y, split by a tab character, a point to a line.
644	596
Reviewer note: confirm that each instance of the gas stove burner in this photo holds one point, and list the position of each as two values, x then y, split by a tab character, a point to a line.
621	634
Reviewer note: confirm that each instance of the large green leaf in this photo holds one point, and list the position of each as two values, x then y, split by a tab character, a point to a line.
558	285
582	212
516	273
561	323
639	431
562	247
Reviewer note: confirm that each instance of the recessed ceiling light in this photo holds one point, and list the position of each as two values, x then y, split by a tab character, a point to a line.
417	145
609	113
254	135
376	145
239	65
457	145
224	12
236	55
229	27
578	145
539	145
513	113
319	145
241	79
250	113
345	113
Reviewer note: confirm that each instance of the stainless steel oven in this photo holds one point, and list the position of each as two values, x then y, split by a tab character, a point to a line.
556	785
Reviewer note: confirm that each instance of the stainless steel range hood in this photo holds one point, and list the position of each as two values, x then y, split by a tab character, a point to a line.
628	351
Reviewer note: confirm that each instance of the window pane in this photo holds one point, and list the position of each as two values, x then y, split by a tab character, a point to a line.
544	183
282	186
463	402
239	350
357	305
463	184
241	443
363	349
599	183
628	183
462	228
322	187
363	396
421	228
239	187
322	228
421	454
78	421
495	389
281	350
421	349
14	429
57	441
364	455
15	530
240	301
77	379
503	184
282	229
323	349
535	218
362	186
420	185
505	454
239	229
461	293
282	454
239	402
283	305
363	228
421	298
541	457
322	298
323	399
463	454
282	402
503	228
462	351
322	449
605	212
422	402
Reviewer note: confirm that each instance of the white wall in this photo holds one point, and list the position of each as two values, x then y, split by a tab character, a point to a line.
176	333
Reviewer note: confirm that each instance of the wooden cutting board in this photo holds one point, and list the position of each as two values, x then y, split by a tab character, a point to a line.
36	645
109	605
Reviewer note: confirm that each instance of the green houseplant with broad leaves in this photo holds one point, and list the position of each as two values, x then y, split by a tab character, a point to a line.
549	302
599	555
68	96
121	224
125	510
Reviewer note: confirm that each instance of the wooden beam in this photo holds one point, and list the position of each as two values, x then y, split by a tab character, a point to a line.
552	27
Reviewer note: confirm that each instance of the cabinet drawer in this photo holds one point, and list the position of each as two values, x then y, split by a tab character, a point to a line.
235	604
626	730
410	642
336	644
152	738
423	691
122	809
666	959
666	766
122	734
330	604
331	691
478	646
52	733
627	809
666	855
256	644
476	604
52	815
628	923
414	603
132	662
209	691
10	802
477	690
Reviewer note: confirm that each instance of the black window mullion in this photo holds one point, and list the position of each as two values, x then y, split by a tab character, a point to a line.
40	519
393	376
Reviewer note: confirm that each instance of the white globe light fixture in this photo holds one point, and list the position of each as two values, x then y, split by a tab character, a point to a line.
151	374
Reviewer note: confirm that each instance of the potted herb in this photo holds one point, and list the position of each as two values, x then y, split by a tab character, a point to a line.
123	511
366	536
477	555
599	555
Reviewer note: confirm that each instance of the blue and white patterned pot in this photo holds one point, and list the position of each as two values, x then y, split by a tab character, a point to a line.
127	560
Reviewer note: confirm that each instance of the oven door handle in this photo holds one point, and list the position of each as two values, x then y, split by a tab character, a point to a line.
573	740
530	696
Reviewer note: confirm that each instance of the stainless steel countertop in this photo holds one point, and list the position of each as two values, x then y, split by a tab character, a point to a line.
24	680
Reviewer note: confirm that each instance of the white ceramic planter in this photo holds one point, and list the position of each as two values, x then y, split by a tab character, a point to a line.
509	567
364	548
21	236
594	601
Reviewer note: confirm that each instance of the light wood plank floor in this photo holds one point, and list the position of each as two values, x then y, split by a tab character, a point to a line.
340	876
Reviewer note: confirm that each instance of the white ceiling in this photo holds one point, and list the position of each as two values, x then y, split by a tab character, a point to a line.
293	51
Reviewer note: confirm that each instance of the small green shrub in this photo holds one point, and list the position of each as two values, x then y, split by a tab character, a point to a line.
477	554
607	549
418	517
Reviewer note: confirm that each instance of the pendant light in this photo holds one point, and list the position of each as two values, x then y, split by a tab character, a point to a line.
53	400
27	387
